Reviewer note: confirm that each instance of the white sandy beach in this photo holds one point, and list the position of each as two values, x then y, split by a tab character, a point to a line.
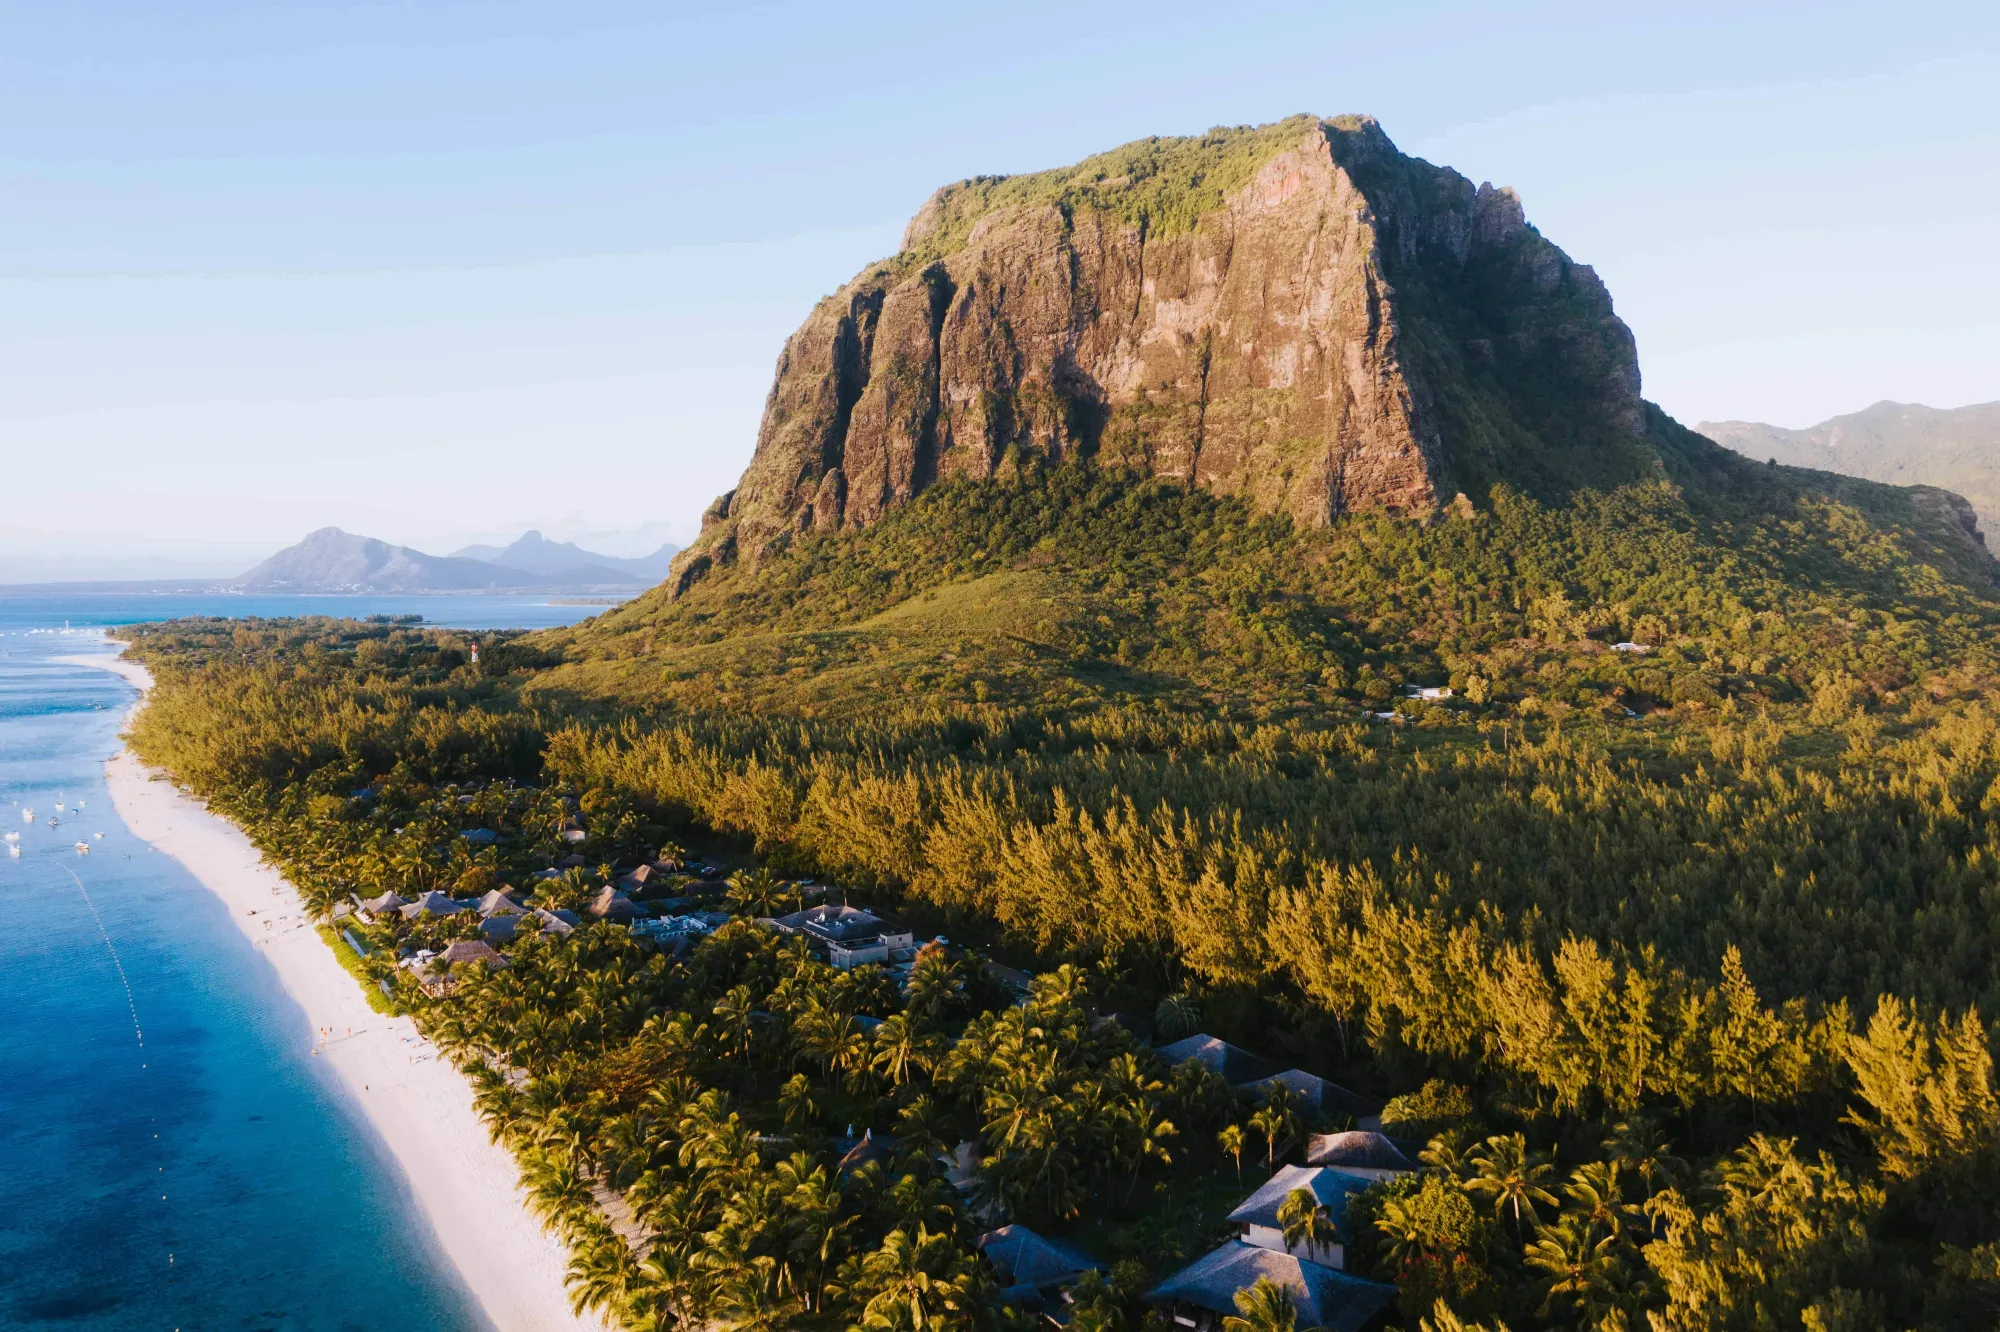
416	1100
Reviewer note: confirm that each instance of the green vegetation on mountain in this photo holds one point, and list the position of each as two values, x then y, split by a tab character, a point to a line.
1162	186
1117	722
1630	825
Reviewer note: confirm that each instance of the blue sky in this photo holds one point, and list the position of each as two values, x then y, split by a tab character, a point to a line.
439	272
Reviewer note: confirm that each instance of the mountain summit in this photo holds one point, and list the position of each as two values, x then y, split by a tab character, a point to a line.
1298	314
531	552
331	560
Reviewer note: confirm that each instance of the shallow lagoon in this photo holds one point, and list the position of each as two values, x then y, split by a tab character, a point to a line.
206	1178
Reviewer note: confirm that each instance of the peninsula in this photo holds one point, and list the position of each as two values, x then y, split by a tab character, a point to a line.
1220	762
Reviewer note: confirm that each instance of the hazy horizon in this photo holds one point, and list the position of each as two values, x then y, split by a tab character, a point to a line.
445	273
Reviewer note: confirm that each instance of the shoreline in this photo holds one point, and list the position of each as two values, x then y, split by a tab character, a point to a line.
417	1102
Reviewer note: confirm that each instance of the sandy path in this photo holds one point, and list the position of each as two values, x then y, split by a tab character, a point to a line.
416	1100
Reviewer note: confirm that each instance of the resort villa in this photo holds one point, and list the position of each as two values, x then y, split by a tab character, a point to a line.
1203	1293
848	936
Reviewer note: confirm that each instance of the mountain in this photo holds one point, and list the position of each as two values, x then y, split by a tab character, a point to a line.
1901	443
1296	314
1242	569
536	554
331	560
1259	420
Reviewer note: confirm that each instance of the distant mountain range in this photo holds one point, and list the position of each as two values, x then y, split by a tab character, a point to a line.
1902	443
333	561
536	554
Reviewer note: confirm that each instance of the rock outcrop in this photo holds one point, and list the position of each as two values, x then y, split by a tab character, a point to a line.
1297	314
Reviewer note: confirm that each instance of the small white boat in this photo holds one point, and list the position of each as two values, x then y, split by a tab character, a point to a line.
13	837
52	820
27	816
98	836
59	806
14	850
83	848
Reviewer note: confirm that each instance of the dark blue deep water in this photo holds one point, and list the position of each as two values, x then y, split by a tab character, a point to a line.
206	1178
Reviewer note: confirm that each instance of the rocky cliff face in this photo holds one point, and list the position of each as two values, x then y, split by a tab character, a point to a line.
1297	314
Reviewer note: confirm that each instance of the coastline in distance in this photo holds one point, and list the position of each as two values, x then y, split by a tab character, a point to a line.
331	561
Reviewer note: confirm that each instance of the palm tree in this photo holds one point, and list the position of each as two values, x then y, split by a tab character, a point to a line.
1306	1220
1584	1270
921	1127
1446	1152
1598	1195
1096	1304
664	1293
834	1039
678	1213
796	1100
752	1298
497	1102
1442	1319
1277	1123
918	1203
599	1274
555	1189
1178	1015
916	1282
736	1019
754	892
1064	986
815	1228
624	1149
934	983
1265	1307
1511	1176
900	1048
1639	1147
1408	1234
1230	1140
1142	1134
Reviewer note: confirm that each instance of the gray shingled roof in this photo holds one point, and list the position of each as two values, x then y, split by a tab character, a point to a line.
1367	1151
612	905
1235	1066
1325	1298
557	922
870	1148
1020	1257
1313	1091
497	903
835	924
432	904
1331	1187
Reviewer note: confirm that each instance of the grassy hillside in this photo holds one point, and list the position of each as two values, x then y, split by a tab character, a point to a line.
1074	589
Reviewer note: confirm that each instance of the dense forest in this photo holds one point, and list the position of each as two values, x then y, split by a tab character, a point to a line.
1669	928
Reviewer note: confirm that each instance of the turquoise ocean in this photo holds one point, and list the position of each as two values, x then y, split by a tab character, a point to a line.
169	1155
